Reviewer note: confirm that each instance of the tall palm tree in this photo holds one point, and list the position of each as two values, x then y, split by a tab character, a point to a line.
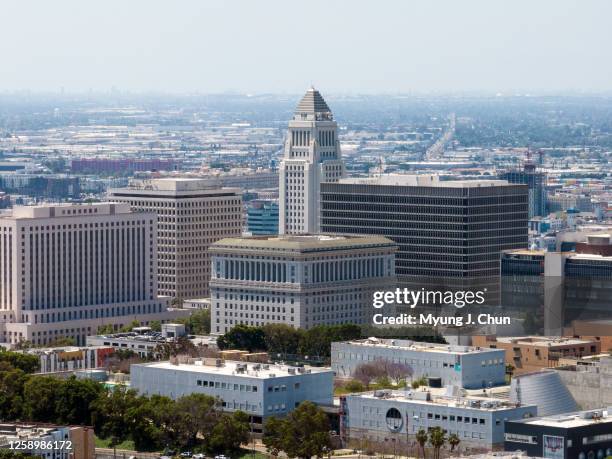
421	438
437	439
453	441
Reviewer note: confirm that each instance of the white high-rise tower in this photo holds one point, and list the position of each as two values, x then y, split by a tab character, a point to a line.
312	156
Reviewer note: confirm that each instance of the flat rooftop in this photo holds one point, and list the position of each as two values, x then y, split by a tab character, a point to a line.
589	256
172	186
66	210
400	344
527	252
423	180
11	432
307	242
572	420
235	368
452	397
62	349
543	341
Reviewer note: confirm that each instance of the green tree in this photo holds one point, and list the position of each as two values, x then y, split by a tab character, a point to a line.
62	341
282	338
421	438
273	435
40	396
172	348
316	341
199	414
146	422
106	329
197	323
303	433
155	422
12	454
437	439
12	382
155	325
229	432
243	337
110	414
416	383
453	441
25	362
354	386
129	327
74	399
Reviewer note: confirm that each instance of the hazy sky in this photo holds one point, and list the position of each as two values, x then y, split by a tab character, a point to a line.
285	45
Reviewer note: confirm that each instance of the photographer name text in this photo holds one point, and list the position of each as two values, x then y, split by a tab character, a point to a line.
434	321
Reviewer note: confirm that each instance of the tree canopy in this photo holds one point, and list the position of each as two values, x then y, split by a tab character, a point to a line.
304	433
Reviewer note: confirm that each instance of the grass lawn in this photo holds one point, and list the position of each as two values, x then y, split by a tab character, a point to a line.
102	443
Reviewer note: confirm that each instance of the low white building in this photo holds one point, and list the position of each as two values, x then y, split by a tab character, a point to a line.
48	442
260	390
463	366
396	416
70	358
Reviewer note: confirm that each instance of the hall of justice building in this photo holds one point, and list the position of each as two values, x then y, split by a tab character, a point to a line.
301	281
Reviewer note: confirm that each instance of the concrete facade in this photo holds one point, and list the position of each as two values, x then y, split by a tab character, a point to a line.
461	366
301	281
68	269
590	385
260	390
382	416
191	216
311	156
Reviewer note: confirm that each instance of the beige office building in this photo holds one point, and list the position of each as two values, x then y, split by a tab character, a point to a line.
302	281
65	270
191	216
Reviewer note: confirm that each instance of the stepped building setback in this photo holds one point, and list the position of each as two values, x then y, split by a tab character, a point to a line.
311	156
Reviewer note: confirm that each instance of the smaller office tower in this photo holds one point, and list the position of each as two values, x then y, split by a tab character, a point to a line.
262	217
192	214
536	181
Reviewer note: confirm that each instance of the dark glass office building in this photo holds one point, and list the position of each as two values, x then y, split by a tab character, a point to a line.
548	291
583	435
450	233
